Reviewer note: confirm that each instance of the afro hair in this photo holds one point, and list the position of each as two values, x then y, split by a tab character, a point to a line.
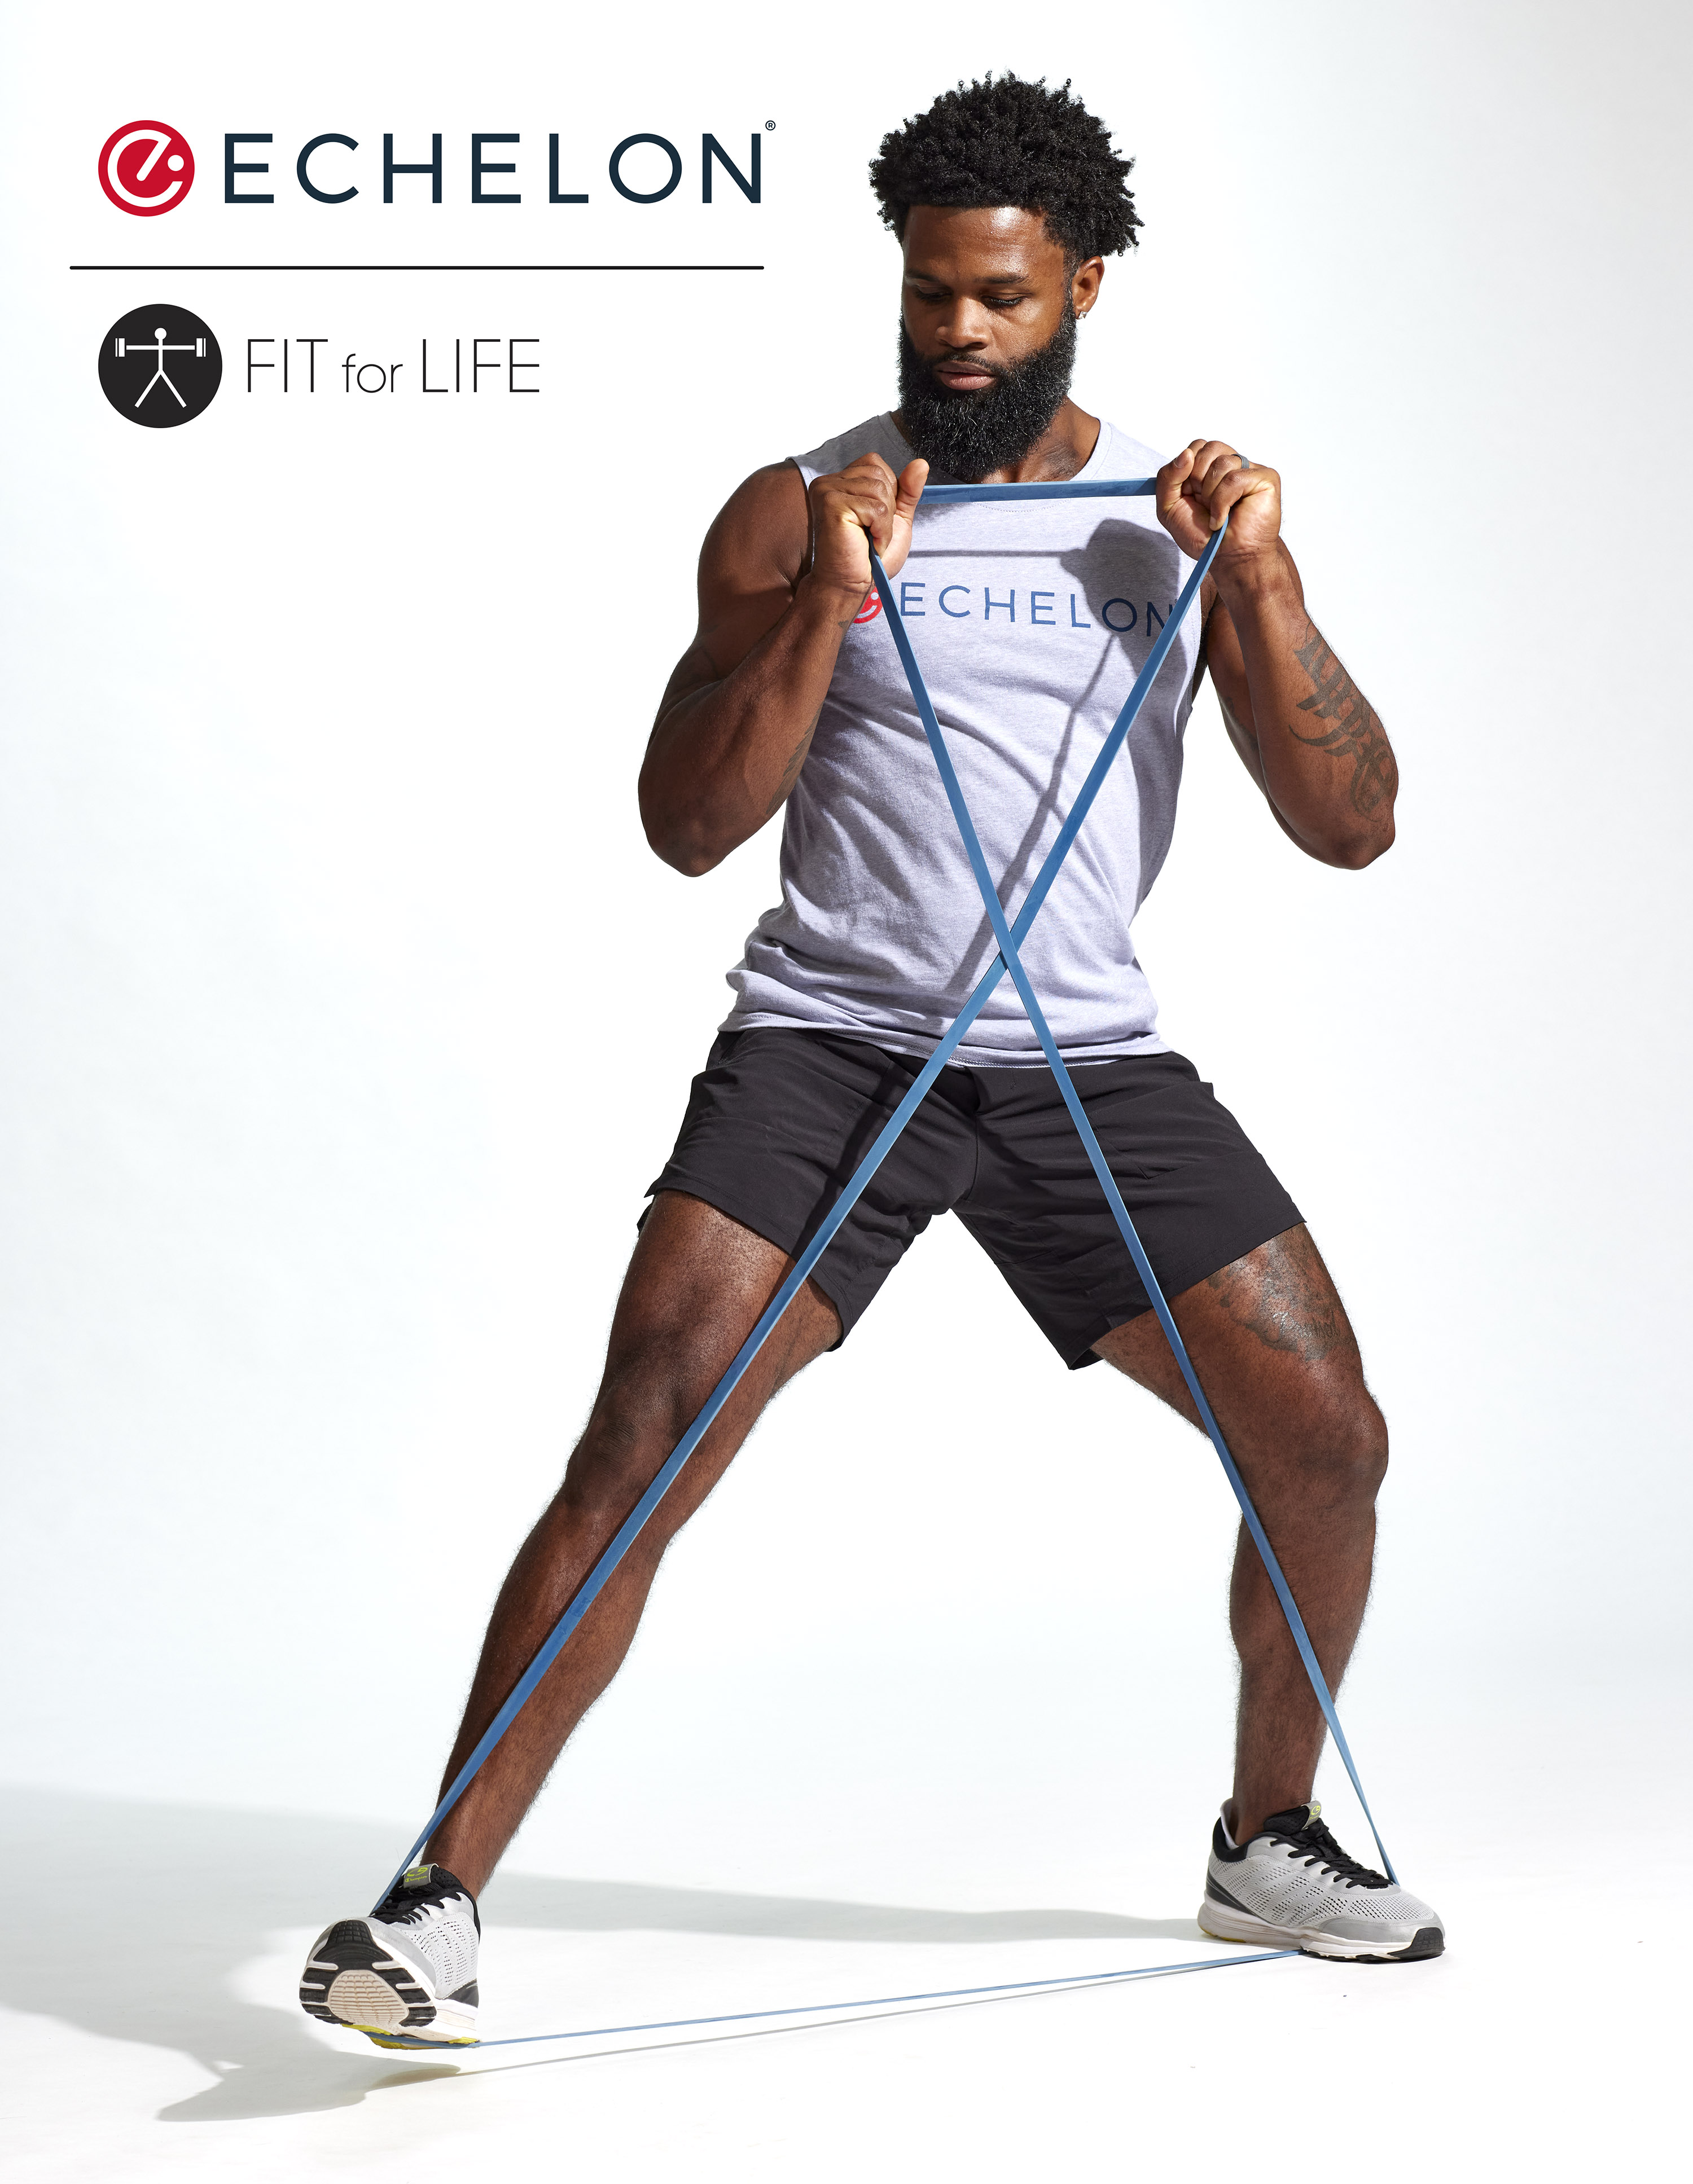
1004	141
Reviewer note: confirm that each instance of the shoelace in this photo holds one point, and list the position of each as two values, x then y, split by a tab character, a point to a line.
1324	1851
409	1908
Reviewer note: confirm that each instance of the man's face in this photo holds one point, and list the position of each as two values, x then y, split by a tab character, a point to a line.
985	288
987	335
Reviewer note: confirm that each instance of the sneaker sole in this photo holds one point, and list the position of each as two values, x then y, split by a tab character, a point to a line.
350	1979
1224	1925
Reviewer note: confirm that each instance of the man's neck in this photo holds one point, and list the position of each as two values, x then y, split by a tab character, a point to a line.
1065	446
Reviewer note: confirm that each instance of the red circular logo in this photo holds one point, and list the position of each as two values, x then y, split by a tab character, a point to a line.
871	608
146	167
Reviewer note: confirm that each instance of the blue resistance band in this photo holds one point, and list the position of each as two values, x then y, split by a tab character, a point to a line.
1071	1982
1009	937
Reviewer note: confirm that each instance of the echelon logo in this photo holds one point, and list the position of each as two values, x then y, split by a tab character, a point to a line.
160	365
146	167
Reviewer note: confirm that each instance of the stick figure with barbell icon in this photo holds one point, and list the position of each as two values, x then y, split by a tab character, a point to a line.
160	347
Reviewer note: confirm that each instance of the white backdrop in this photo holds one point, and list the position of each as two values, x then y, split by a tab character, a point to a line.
347	1015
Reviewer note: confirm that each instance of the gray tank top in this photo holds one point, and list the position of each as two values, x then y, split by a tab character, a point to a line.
1030	624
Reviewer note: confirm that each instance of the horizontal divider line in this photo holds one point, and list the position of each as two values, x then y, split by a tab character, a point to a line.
417	269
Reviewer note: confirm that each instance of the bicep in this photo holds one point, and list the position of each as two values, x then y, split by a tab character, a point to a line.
748	567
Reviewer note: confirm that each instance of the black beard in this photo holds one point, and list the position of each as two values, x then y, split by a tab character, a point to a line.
968	434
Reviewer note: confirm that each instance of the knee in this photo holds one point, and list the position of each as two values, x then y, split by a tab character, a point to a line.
1354	1446
646	1401
1336	1445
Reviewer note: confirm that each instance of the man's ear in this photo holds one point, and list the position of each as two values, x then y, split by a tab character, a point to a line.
1084	286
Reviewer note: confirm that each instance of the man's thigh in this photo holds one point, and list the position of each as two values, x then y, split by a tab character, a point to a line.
696	1287
1273	1349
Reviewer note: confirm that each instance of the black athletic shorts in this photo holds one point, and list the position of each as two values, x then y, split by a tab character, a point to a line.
778	1120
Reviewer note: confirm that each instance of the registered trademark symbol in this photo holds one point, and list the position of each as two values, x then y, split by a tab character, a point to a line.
770	124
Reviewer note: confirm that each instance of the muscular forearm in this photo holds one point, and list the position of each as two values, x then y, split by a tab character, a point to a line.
726	750
1323	756
1308	733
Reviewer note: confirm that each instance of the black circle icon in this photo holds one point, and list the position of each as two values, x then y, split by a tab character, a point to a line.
160	365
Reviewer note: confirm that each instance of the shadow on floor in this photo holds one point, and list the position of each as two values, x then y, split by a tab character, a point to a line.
132	1918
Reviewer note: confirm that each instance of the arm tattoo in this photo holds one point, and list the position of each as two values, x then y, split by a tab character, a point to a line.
1350	726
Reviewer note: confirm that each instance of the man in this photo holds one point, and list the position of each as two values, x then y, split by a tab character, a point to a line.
1031	622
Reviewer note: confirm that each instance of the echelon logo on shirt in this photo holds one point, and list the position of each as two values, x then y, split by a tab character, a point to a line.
923	596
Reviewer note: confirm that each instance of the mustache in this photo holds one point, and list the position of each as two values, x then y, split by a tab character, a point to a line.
932	365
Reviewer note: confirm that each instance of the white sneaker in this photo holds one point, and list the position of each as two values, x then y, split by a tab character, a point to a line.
1293	1886
407	1975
